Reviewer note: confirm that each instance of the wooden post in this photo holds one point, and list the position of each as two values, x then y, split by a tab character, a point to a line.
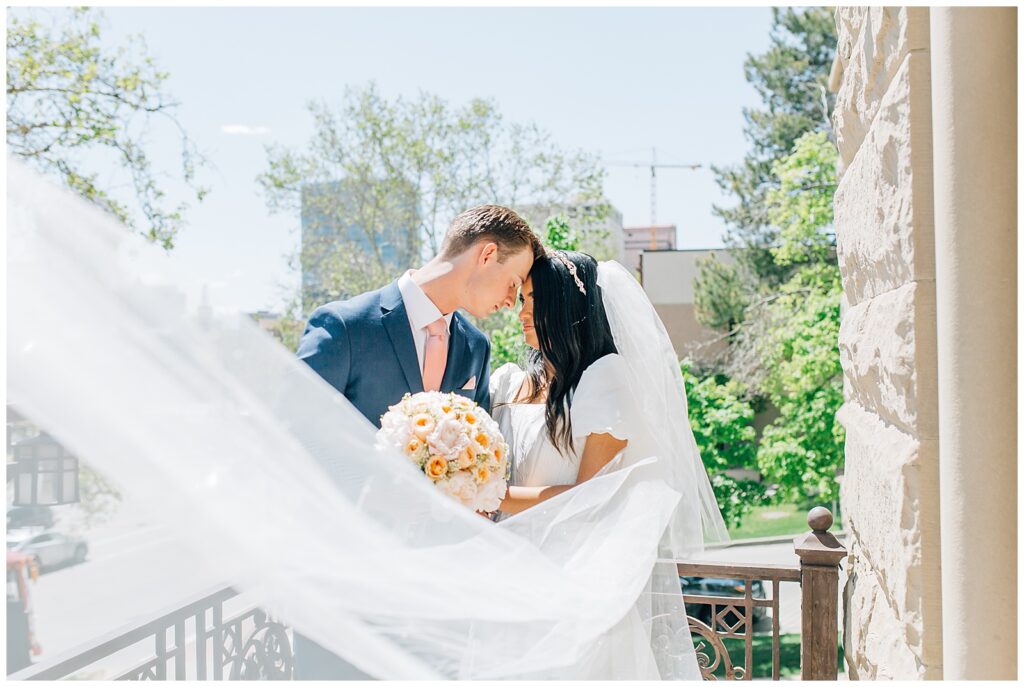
820	554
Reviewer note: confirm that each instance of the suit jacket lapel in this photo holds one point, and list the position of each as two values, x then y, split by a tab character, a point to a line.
458	354
396	323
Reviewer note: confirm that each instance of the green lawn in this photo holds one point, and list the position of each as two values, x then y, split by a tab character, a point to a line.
761	653
777	520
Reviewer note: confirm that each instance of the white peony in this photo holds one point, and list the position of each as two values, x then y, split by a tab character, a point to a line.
490	493
461	487
448	438
396	428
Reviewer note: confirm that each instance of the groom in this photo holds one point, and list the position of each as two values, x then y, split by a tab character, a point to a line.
408	337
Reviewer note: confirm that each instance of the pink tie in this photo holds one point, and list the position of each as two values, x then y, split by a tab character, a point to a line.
435	355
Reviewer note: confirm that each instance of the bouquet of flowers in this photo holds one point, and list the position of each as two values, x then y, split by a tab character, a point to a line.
454	442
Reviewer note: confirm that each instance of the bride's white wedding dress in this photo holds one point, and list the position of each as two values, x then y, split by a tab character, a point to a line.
598	408
601	405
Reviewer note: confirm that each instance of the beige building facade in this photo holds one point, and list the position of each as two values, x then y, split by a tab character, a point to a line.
925	219
667	277
647	238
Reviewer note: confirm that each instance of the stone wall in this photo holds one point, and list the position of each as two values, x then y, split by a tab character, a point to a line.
885	236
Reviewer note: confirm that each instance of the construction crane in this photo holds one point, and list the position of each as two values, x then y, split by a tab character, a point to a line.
654	166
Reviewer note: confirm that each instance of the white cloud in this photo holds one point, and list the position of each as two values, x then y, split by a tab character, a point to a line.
244	130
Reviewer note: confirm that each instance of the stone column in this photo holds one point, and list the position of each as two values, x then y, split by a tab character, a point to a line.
974	110
885	240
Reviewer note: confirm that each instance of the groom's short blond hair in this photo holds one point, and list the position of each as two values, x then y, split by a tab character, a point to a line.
494	223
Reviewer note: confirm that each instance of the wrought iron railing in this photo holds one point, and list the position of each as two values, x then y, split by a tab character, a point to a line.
732	617
194	641
191	642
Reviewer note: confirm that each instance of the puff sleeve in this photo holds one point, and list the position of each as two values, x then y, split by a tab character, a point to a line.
601	403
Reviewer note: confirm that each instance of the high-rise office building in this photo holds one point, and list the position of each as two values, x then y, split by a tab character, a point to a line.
354	238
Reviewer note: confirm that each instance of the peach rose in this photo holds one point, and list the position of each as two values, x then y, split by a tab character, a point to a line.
466	458
437	467
422	425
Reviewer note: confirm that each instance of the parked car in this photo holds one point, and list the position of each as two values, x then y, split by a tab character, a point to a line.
48	549
27	516
710	586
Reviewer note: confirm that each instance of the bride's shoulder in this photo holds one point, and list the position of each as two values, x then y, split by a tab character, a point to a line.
506	371
606	371
611	364
600	404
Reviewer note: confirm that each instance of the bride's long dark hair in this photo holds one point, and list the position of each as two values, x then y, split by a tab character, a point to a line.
572	331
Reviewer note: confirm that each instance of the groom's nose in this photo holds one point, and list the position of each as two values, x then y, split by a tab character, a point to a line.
510	299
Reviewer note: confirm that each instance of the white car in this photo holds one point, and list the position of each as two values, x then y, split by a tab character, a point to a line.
50	549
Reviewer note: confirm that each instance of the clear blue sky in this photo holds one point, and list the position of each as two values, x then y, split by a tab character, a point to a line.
615	81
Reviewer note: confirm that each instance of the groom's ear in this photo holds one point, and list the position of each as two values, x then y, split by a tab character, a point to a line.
488	253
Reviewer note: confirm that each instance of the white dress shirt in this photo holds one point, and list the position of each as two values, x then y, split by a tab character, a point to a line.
421	311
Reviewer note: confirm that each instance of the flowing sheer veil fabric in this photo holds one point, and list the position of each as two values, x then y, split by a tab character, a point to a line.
275	483
656	385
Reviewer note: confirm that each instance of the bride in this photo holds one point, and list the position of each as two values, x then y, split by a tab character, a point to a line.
275	485
569	415
573	414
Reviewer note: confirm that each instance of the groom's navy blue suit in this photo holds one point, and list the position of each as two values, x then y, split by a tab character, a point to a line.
363	347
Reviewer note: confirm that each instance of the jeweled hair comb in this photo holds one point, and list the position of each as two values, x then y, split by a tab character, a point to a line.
571	266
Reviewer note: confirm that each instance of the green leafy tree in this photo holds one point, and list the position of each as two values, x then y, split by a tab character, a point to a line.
76	106
584	221
381	179
507	343
722	293
558	235
98	500
801	205
791	78
781	302
802	450
722	419
788	343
